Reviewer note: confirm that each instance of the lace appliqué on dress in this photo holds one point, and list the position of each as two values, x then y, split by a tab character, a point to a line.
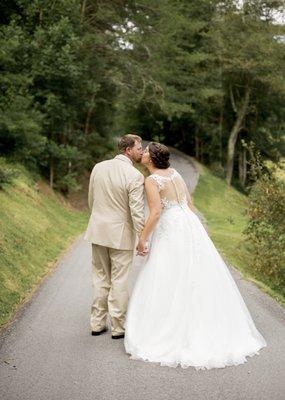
161	182
166	204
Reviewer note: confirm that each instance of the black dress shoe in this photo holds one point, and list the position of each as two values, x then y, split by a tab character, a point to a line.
97	333
118	336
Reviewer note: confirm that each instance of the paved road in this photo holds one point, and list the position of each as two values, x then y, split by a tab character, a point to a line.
47	353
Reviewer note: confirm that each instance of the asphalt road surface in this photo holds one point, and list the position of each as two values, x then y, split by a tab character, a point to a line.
48	353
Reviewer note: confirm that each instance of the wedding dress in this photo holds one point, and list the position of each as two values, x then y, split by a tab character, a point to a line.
185	308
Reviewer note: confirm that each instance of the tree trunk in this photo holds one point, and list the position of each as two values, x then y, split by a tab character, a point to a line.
40	16
202	151
83	10
89	114
51	171
221	121
183	135
234	135
197	147
242	166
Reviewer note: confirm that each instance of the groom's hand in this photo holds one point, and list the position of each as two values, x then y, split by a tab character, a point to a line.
142	248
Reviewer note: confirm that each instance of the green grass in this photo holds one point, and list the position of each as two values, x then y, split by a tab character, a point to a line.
36	225
225	211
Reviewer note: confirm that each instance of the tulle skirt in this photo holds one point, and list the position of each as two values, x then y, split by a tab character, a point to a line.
185	308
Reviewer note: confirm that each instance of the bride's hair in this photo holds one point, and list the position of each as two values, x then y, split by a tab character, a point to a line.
159	155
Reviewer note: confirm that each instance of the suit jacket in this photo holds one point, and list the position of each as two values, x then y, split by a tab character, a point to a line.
116	201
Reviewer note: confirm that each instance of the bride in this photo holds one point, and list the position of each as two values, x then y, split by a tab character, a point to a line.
185	308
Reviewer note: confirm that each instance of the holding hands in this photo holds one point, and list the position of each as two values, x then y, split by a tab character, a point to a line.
142	247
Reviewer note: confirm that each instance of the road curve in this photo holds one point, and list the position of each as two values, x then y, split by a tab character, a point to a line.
47	352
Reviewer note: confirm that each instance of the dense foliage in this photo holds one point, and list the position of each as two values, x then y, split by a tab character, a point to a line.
266	228
211	75
202	76
58	67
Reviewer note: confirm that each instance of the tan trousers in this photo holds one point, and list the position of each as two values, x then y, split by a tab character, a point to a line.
110	270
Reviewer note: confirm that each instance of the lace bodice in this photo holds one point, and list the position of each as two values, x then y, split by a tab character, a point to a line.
172	189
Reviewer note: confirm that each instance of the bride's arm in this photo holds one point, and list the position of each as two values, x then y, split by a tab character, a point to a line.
153	200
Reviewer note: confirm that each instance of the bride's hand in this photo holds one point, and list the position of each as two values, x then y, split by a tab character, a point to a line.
142	248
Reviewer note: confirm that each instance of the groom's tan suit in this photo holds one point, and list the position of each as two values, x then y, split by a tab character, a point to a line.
117	204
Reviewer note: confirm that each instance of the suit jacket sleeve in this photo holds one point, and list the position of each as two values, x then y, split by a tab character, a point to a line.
136	202
91	190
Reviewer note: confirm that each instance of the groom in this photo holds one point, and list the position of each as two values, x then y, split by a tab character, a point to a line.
117	204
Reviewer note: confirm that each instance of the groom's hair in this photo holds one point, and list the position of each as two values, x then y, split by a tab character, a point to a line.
128	141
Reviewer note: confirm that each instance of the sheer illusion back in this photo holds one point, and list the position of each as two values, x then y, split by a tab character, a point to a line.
172	189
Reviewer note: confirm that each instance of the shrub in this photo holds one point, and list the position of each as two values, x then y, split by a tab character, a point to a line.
7	174
266	227
67	183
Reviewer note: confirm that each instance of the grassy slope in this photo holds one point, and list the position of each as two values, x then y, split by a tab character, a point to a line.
36	225
224	209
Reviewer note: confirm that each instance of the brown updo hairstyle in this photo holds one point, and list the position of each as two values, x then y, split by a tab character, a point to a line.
159	155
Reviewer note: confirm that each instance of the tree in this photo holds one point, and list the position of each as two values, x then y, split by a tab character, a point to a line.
250	58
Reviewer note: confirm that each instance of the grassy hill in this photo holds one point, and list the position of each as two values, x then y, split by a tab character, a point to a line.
36	225
225	211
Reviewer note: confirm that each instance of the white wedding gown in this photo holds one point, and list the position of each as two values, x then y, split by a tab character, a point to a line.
185	308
